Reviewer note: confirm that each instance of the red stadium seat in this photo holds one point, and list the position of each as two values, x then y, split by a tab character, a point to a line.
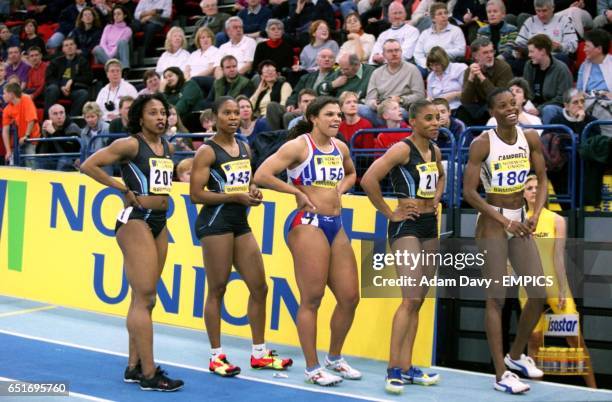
386	140
65	102
46	30
580	56
12	24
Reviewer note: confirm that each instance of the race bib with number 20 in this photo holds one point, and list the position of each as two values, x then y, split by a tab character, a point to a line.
160	176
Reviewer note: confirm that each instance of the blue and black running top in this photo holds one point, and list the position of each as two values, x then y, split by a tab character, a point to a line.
417	178
148	173
229	174
320	169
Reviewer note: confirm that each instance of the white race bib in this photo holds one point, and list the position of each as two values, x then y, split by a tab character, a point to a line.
310	219
160	176
508	176
124	214
328	171
428	179
238	175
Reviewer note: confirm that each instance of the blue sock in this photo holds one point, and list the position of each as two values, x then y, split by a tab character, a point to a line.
313	368
333	358
392	370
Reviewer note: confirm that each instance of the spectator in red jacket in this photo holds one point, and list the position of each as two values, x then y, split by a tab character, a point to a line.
390	111
352	122
36	75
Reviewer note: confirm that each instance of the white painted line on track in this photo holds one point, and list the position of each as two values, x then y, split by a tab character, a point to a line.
190	367
554	384
26	311
70	393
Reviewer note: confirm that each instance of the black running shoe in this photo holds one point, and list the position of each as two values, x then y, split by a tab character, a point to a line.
160	382
133	375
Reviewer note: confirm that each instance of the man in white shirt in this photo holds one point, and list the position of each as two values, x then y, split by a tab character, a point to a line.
240	46
441	33
109	97
400	30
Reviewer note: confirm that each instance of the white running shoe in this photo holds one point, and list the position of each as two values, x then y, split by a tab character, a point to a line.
342	367
511	384
322	378
525	365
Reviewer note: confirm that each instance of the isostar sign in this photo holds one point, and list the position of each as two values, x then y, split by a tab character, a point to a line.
561	324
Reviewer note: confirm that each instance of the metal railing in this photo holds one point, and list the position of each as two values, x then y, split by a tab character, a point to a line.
362	158
568	198
19	159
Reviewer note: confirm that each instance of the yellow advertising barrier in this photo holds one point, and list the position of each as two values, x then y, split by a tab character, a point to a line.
57	246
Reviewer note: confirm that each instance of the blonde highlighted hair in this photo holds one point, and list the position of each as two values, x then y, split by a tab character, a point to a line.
203	31
169	35
92	107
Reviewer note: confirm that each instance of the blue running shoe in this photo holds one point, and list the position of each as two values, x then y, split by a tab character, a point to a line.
393	382
414	375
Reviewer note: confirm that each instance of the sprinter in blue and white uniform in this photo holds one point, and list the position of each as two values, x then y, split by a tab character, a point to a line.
502	158
147	168
417	175
321	170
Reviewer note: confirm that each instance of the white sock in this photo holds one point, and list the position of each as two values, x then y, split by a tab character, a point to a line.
259	351
214	352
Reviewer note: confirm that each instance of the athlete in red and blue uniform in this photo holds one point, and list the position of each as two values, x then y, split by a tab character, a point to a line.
321	170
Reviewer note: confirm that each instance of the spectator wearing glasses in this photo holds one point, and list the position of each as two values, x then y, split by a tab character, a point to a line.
109	96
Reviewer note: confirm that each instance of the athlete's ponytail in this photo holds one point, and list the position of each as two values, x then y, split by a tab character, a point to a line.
314	108
302	127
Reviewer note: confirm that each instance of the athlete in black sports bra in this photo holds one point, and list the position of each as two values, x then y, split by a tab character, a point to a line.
418	180
221	180
141	227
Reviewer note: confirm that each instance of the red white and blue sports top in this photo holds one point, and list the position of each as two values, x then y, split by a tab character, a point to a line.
320	169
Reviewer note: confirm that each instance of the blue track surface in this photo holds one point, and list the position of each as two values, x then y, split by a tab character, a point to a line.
99	374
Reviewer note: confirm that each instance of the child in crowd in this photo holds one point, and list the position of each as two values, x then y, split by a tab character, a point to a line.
352	122
455	126
389	110
183	170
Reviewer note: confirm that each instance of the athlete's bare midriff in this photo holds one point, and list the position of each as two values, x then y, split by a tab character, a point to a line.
507	201
326	200
424	206
155	202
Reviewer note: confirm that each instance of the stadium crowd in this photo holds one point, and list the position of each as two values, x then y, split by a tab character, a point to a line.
72	68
